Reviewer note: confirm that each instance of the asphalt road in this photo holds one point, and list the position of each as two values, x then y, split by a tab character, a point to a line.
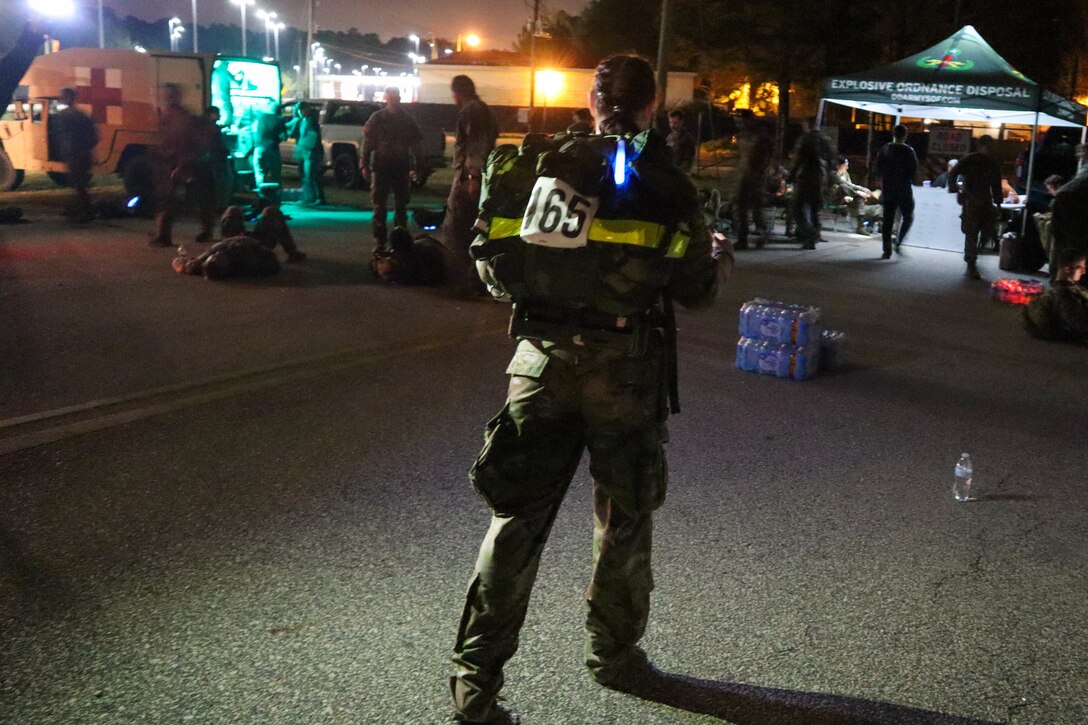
247	502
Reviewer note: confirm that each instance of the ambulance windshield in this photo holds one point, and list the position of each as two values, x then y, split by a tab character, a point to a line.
242	89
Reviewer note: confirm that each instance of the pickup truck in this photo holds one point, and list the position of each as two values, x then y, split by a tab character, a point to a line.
342	135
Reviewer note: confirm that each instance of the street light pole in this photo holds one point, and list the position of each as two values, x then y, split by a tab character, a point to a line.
242	4
276	28
195	49
101	27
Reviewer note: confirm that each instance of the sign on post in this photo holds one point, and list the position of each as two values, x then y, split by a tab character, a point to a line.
946	141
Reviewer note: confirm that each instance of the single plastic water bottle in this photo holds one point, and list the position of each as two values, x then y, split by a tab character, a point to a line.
961	489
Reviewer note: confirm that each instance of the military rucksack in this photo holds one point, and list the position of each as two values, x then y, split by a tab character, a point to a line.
580	221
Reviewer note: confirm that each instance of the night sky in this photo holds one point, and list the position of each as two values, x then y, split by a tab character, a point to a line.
496	21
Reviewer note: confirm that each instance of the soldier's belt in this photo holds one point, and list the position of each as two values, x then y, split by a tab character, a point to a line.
580	327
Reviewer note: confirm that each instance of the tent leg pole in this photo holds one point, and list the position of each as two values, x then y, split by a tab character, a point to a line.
820	114
869	152
1082	161
1027	188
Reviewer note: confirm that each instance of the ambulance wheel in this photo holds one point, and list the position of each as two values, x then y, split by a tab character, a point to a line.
139	184
59	177
345	169
10	177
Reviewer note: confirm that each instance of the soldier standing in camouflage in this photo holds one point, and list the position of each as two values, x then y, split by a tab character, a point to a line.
78	137
176	163
591	372
390	149
476	134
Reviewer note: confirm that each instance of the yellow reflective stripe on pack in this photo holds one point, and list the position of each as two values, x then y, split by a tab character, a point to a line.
504	227
626	231
678	245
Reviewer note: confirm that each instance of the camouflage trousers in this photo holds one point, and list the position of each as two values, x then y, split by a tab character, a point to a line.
561	401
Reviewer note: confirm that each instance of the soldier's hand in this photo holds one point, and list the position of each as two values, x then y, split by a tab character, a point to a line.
365	172
413	175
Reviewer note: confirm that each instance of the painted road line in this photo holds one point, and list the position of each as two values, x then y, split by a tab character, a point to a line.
264	377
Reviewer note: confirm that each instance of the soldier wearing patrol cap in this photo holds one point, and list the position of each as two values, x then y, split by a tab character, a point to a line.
591	237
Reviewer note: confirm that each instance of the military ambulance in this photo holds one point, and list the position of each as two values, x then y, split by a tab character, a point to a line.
121	90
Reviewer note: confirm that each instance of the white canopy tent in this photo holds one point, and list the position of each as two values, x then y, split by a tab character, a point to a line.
959	79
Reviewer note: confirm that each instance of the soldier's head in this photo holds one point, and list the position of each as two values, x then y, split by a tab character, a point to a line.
1070	265
392	97
463	89
842	164
899	133
624	94
1053	183
985	144
171	94
67	96
583	115
212	114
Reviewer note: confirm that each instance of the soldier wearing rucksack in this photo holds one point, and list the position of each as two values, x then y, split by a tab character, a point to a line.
591	238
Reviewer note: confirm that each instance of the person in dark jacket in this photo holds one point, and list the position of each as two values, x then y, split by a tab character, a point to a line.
217	159
755	149
77	137
680	141
980	193
896	165
582	121
1070	222
811	176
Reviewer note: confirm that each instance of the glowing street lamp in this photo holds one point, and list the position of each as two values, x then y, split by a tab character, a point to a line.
471	40
242	4
176	29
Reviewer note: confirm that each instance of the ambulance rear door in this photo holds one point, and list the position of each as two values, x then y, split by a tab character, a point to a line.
187	72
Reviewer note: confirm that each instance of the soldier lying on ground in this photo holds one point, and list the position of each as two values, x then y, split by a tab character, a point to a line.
241	256
271	230
408	260
1062	312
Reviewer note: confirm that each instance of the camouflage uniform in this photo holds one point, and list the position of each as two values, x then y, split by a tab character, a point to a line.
571	390
1060	314
476	134
981	197
177	163
78	138
241	256
268	130
390	147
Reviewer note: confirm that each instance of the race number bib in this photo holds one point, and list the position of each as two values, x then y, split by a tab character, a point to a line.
557	215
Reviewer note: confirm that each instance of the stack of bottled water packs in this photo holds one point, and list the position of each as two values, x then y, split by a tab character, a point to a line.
783	340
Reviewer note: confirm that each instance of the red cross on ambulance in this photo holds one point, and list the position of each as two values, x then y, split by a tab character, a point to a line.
98	93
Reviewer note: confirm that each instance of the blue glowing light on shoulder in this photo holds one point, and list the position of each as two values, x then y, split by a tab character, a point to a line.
619	167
